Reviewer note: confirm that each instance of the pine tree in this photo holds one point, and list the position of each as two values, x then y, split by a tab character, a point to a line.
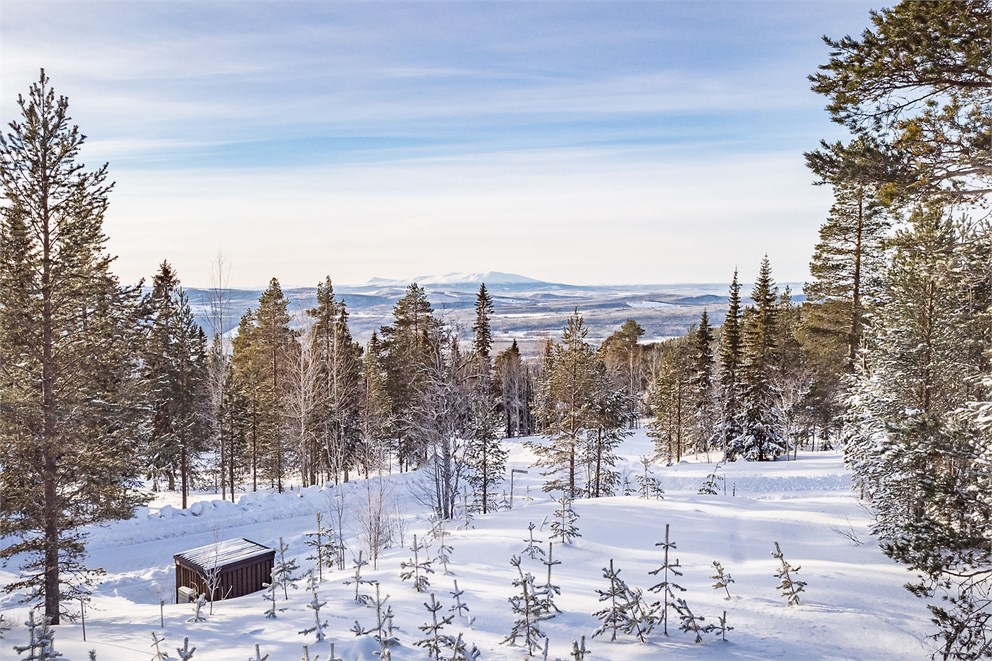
569	403
703	406
623	356
548	591
382	633
611	422
613	616
482	328
689	622
284	570
359	563
917	80
533	548
915	445
375	413
274	342
848	260
672	402
649	486
68	349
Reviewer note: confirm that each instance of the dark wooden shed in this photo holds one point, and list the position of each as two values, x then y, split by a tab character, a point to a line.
242	567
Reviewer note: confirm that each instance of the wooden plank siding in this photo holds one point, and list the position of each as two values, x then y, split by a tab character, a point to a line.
242	575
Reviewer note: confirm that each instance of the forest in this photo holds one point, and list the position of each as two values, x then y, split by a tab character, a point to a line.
109	389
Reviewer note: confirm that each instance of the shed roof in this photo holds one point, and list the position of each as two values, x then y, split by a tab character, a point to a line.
224	553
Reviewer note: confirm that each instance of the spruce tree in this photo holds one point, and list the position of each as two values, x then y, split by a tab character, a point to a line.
760	435
484	453
704	410
409	346
68	350
339	384
728	427
176	382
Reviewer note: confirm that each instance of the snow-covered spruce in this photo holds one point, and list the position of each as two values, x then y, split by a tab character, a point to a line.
41	639
382	632
626	610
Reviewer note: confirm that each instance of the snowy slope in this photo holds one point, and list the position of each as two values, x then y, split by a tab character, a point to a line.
854	606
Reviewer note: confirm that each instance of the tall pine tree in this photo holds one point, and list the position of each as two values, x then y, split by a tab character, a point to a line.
68	348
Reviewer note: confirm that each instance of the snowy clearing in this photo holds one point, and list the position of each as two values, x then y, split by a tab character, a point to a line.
854	606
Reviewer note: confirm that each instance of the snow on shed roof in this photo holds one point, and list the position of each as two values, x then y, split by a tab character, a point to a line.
224	553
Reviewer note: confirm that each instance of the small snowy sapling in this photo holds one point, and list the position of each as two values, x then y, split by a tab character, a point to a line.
690	622
527	609
184	652
533	548
721	578
284	571
417	568
41	645
667	569
198	616
160	654
563	527
315	605
358	564
434	641
789	586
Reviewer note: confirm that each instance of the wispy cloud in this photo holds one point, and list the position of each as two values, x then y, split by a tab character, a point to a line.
416	137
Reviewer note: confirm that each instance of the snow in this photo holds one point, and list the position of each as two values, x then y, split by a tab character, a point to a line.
854	606
224	553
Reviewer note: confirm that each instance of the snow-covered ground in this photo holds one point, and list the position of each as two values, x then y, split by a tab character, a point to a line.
854	606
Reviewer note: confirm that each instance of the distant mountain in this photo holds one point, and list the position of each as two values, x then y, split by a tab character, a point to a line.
449	279
527	310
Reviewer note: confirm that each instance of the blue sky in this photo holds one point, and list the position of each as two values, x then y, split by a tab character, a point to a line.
585	142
